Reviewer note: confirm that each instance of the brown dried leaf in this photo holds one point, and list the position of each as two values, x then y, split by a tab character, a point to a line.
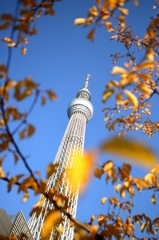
98	172
16	158
4	25
43	100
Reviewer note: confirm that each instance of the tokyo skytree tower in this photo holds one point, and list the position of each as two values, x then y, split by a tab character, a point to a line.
80	111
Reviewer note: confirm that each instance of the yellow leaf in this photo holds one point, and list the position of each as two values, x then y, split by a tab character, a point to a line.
31	130
153	199
147	91
8	40
16	158
107	94
121	20
93	231
1	172
23	50
148	64
13	180
103	200
91	35
117	70
81	170
123	11
12	44
108	165
51	95
117	187
150	54
133	99
26	196
113	4
133	150
108	26
53	219
79	21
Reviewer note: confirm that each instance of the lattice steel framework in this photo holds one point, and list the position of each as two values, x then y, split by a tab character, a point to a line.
80	111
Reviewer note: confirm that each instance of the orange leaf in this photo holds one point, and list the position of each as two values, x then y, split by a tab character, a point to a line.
153	200
91	35
123	11
31	130
23	50
51	94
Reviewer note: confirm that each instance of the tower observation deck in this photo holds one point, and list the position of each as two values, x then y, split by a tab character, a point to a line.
80	111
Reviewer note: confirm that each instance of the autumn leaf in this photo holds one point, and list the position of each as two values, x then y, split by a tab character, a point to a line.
16	158
117	70
103	200
98	172
51	95
79	21
153	199
80	170
91	35
52	220
23	50
5	25
30	130
147	64
51	169
133	150
26	196
150	54
7	40
123	11
2	159
43	100
107	94
22	133
133	99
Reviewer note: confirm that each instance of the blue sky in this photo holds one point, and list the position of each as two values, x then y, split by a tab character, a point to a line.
58	58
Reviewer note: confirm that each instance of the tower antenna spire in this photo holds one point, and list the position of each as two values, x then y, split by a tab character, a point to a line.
88	76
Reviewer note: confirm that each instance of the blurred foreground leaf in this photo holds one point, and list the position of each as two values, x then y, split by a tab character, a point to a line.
133	150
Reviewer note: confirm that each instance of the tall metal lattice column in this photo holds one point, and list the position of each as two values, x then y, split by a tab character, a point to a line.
80	111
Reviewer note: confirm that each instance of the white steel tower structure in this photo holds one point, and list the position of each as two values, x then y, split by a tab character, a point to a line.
80	111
